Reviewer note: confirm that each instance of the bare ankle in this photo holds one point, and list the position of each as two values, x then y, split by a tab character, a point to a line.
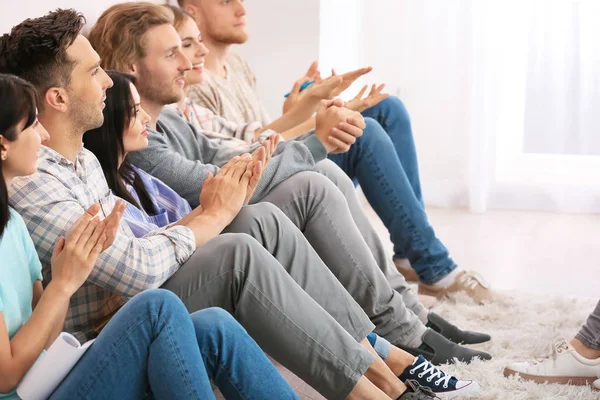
381	376
365	390
398	360
584	350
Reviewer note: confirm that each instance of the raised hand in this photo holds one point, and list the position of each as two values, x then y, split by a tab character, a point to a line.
292	100
360	103
224	194
261	158
349	78
75	255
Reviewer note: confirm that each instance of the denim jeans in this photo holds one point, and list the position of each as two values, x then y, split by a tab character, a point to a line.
384	162
152	348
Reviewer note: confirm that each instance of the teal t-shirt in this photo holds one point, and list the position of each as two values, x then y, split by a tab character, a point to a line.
20	267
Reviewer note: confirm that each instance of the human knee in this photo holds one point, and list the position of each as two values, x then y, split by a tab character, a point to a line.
336	176
255	216
157	304
375	137
394	105
215	321
227	246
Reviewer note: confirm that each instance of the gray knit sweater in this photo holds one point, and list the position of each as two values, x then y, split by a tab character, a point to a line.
181	156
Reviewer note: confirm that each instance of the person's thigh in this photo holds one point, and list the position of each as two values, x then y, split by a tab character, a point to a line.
149	343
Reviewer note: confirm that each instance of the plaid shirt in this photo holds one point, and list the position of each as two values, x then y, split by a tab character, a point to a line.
51	200
215	127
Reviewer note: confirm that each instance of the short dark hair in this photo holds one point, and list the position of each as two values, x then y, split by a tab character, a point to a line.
36	49
106	142
17	98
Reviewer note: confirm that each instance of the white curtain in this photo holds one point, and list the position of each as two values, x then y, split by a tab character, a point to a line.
535	114
562	93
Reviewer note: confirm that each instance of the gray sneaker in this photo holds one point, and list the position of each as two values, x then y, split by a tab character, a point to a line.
439	350
415	391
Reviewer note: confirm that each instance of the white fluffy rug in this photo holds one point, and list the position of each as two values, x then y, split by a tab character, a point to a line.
522	327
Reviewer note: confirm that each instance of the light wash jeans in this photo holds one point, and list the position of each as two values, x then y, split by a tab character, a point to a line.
152	348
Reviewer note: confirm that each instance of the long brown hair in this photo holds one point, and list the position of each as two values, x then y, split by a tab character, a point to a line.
179	15
118	35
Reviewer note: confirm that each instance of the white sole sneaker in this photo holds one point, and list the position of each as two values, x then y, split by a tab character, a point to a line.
470	388
564	366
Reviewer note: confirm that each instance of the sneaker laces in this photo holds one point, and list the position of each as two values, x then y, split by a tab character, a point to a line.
418	389
433	372
472	279
556	348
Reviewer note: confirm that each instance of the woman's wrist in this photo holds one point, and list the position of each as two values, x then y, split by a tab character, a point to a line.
60	289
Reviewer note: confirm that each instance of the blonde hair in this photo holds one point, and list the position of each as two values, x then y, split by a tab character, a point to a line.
179	15
118	35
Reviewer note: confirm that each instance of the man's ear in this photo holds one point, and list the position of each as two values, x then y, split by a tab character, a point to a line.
132	69
57	99
191	9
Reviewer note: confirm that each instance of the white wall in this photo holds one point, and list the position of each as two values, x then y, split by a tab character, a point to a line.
16	12
283	41
286	36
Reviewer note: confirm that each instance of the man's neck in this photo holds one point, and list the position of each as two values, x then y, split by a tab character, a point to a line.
64	139
215	59
153	109
181	104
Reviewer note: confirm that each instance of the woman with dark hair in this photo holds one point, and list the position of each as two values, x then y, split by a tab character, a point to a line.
124	131
151	347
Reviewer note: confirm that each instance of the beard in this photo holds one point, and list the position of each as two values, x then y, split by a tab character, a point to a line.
155	91
85	116
232	37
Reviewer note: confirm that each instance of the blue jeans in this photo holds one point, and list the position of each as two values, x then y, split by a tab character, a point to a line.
152	348
384	162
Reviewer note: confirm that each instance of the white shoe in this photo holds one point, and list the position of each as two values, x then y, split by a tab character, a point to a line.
596	385
564	366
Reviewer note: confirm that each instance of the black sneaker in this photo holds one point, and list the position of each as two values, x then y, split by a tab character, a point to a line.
437	380
453	332
439	350
414	391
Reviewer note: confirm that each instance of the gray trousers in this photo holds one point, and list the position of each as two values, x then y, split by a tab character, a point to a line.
277	287
590	332
369	234
324	206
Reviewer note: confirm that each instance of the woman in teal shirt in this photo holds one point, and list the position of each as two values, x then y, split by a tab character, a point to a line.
151	348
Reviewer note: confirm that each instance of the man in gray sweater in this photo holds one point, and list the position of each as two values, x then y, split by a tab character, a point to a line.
314	193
